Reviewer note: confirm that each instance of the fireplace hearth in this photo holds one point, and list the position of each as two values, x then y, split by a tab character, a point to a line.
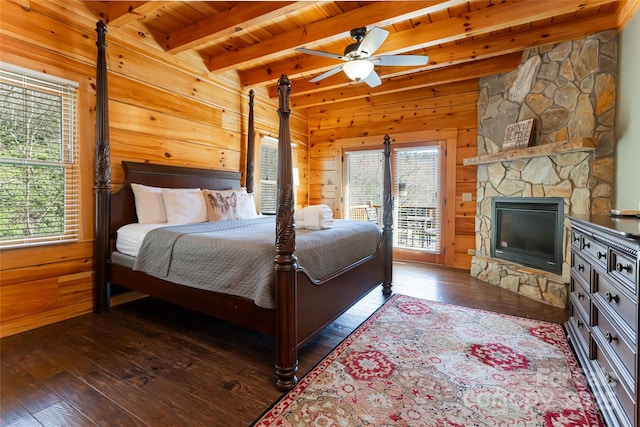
529	231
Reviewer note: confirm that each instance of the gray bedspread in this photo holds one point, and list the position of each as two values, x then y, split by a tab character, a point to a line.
237	257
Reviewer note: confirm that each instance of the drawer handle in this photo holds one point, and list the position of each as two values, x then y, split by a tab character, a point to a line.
610	337
579	295
602	255
612	297
580	267
576	238
579	324
611	380
586	245
620	267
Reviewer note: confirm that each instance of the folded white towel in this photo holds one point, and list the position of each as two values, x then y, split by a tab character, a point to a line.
315	217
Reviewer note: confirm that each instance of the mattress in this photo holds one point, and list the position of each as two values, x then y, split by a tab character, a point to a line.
130	237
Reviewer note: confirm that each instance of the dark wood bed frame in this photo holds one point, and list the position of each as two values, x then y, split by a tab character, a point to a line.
303	307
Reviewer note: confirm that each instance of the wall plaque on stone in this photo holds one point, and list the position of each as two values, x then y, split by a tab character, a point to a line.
518	135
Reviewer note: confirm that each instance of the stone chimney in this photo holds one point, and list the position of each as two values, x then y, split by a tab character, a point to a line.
569	89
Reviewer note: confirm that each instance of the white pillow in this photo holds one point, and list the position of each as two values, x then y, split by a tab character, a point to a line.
246	207
149	204
184	205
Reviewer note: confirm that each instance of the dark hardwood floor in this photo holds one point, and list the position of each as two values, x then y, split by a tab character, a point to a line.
148	363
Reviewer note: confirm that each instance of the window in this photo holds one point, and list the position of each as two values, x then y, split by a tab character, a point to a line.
38	158
268	174
417	186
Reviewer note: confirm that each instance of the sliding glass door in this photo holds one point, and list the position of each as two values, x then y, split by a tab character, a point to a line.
417	183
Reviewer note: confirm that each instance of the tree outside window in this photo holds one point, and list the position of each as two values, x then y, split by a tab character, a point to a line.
38	161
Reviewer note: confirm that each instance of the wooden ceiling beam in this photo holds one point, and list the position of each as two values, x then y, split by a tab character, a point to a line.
516	42
237	18
497	17
441	76
376	13
121	13
626	9
455	29
472	50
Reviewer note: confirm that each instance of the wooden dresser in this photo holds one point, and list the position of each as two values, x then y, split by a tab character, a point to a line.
603	308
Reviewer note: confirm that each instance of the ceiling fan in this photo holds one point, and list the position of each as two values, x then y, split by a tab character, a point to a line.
359	59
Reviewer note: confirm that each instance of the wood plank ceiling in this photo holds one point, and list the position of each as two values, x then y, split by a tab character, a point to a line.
463	39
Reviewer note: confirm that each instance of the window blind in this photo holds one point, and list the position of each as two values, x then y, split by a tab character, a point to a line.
363	183
39	188
417	183
268	175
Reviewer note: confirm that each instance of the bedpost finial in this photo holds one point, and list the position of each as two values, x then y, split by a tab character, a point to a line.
284	80
387	145
101	29
284	90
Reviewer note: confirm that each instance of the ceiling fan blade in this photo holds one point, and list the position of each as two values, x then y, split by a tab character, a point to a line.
373	79
324	75
319	53
372	41
401	60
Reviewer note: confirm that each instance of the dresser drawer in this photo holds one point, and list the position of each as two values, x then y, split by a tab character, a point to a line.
576	239
608	293
619	397
625	269
595	249
610	340
581	331
581	267
581	299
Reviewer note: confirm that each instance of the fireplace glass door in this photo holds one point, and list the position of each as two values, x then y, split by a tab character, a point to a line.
528	231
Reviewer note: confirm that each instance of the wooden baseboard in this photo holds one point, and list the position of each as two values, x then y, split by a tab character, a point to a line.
27	323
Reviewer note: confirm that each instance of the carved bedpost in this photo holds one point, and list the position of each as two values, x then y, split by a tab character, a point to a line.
387	219
102	183
285	260
250	146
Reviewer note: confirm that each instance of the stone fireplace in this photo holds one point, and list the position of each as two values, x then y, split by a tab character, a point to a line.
569	89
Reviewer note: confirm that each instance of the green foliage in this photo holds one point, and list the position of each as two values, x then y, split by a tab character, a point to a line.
32	172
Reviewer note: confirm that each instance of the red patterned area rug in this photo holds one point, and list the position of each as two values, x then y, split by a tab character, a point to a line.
423	363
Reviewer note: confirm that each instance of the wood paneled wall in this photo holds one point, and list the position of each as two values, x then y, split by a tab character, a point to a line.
162	109
445	114
168	109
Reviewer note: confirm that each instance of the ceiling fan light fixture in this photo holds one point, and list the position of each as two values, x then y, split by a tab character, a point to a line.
358	69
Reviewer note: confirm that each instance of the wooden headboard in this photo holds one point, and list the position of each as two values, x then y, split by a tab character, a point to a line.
123	210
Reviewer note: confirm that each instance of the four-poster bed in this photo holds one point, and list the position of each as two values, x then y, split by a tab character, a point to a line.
303	305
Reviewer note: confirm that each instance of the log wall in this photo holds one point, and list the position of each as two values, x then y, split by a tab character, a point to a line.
168	109
162	109
444	115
